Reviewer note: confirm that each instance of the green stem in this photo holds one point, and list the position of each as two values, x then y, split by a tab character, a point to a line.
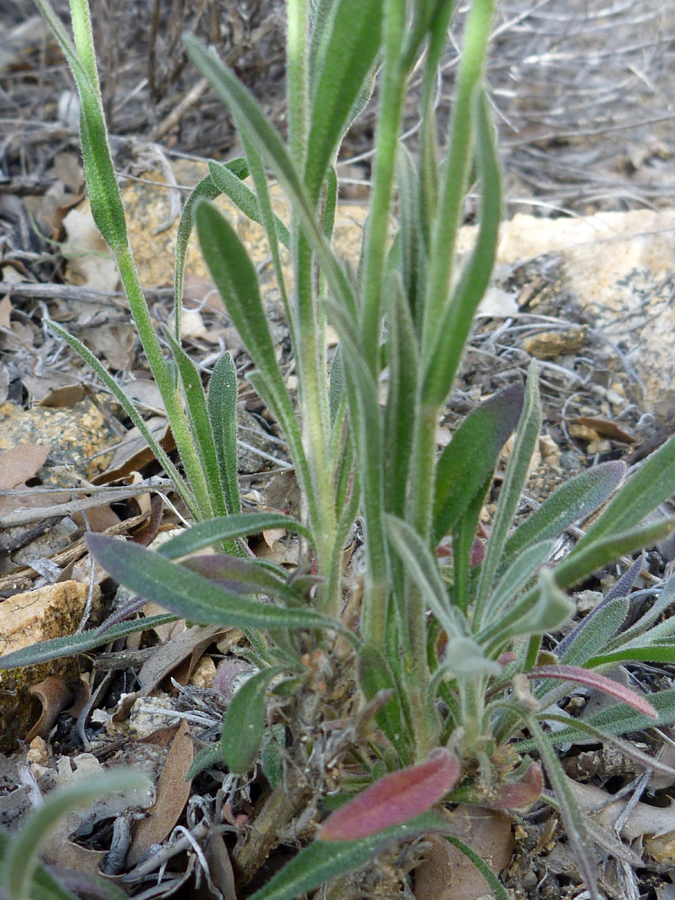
174	409
297	64
309	328
455	174
386	139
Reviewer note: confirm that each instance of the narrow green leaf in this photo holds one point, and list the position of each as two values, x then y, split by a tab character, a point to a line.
496	886
215	531
653	483
246	576
252	120
464	536
655	653
399	416
586	558
44	886
72	644
104	193
552	609
643	627
407	180
573	500
423	569
207	756
615	719
200	425
222	409
244	721
244	198
322	12
179	482
236	279
577	566
472	454
515	477
594	632
331	188
375	675
271	224
451	333
340	71
573	819
323	860
369	447
278	403
337	383
628	748
519	573
203	190
270	758
22	853
190	595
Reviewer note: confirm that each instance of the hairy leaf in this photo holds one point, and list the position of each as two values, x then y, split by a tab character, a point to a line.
597	682
244	721
71	644
574	500
208	534
472	454
323	860
189	594
222	408
341	66
394	799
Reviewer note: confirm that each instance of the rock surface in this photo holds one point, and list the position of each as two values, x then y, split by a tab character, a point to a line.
616	272
28	619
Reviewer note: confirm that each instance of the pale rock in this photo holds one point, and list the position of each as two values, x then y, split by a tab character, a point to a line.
618	269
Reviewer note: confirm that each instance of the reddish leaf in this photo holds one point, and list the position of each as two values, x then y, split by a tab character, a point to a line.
520	794
599	682
394	799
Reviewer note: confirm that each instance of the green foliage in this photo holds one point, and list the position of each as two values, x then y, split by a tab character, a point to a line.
443	654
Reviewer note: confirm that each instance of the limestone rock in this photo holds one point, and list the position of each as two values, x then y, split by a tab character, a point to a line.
616	270
27	619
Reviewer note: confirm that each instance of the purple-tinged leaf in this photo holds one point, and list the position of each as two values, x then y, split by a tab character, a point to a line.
620	590
597	681
242	576
394	799
472	454
519	794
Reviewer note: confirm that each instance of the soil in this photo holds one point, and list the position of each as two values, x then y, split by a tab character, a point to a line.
584	96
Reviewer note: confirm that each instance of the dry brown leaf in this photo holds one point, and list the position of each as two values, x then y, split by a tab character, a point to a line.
653	823
220	867
133	453
54	695
606	427
90	262
447	874
112	341
5	312
272	535
173	792
63	396
191	643
21	463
